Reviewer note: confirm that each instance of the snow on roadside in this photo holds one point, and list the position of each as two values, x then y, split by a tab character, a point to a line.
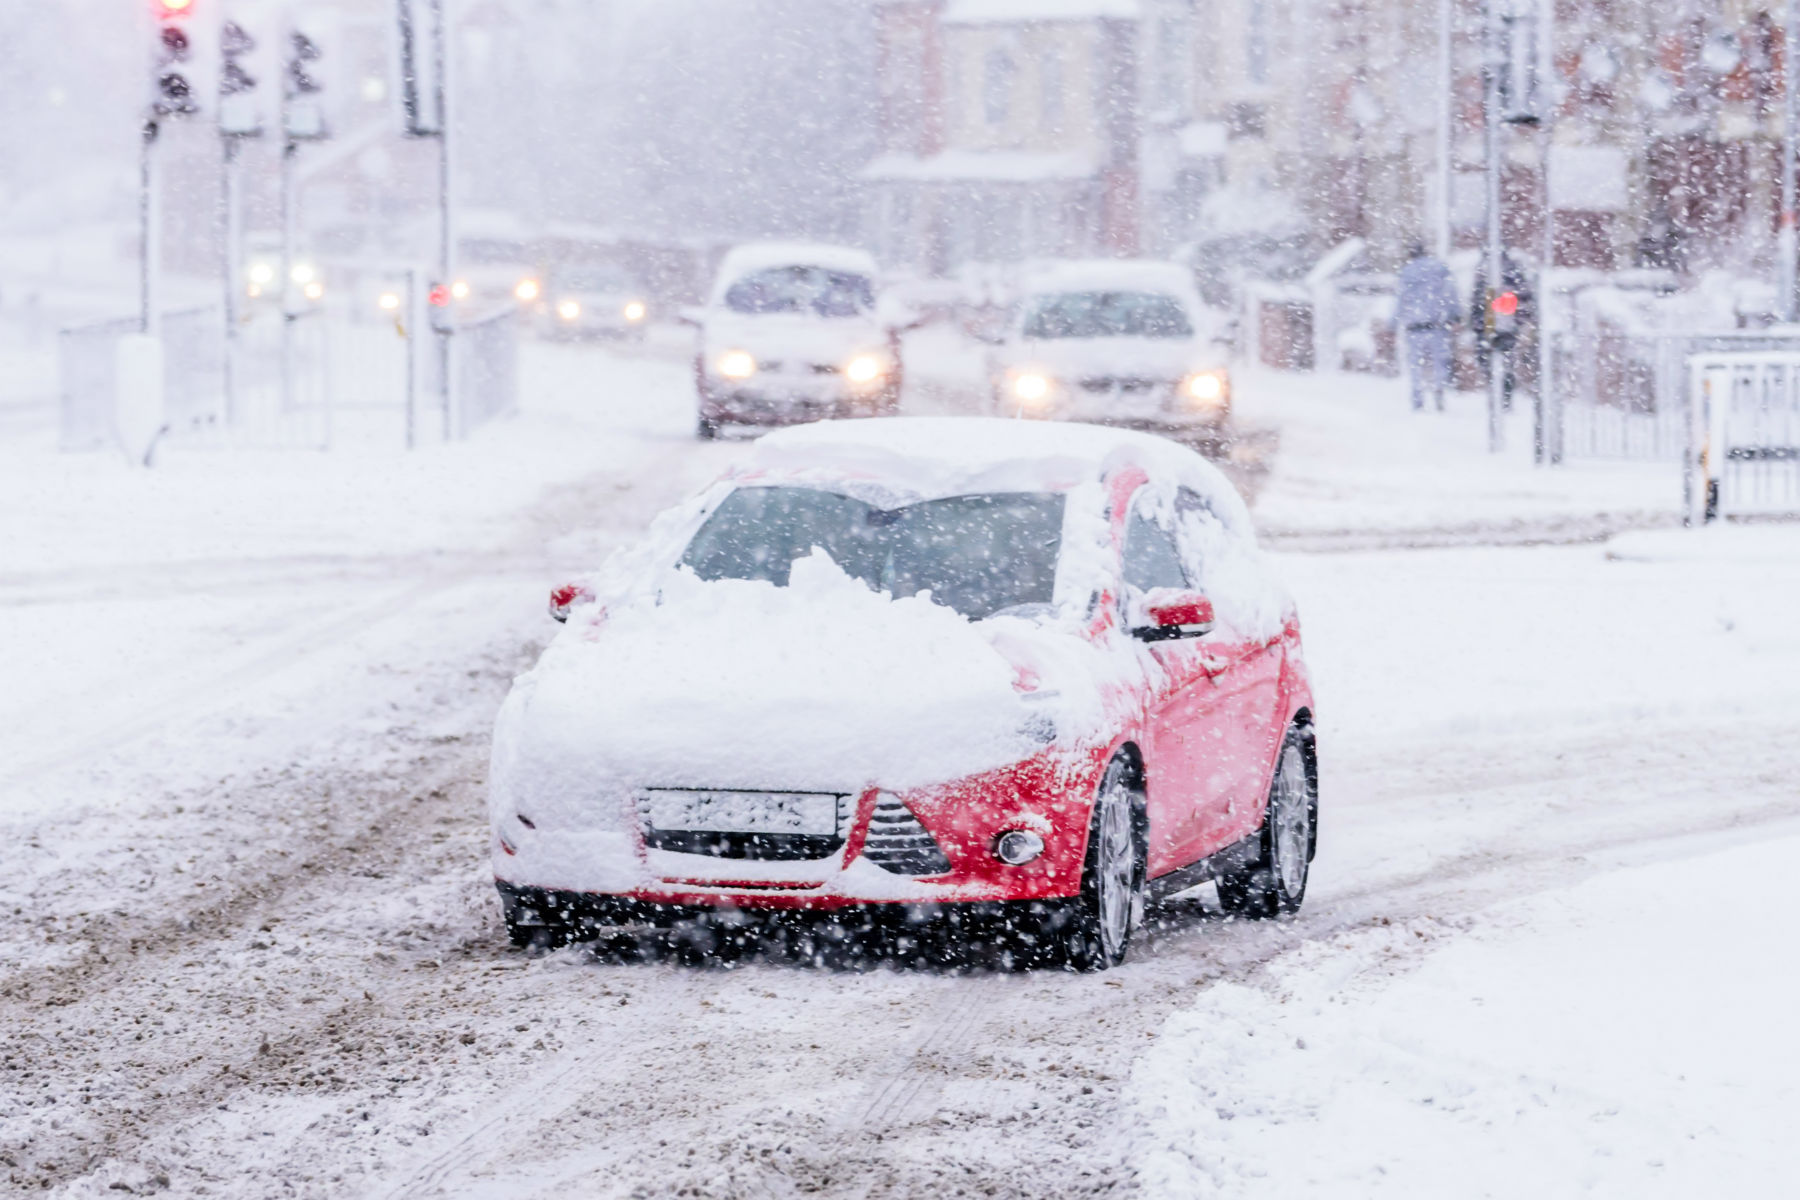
1355	457
1630	1036
1623	1032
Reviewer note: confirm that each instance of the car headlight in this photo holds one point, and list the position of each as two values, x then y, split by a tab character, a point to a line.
528	290
864	368
569	310
634	311
1031	387
1205	387
737	364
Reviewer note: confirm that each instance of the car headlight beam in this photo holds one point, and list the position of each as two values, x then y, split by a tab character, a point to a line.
634	311
569	310
1031	387
1207	387
737	364
864	368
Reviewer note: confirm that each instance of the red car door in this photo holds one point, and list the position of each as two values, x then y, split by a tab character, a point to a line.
1185	775
1238	721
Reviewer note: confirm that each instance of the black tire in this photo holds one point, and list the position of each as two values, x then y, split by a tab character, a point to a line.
1096	926
707	430
538	937
1275	884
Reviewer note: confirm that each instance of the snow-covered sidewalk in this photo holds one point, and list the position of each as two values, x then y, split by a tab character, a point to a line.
1357	467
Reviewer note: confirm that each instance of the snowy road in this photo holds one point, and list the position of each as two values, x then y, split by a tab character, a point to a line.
253	951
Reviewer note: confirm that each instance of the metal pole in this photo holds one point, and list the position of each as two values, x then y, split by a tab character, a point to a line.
231	229
1446	115
412	322
1548	92
285	293
1790	133
440	48
150	230
1495	261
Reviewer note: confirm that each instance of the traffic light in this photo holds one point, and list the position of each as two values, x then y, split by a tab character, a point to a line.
174	95
305	117
301	51
1506	304
237	104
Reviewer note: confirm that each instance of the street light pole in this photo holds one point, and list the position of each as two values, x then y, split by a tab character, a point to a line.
1790	134
150	229
1490	119
1445	133
445	325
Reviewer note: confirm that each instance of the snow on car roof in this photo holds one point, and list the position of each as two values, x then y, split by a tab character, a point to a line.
1112	275
931	457
755	256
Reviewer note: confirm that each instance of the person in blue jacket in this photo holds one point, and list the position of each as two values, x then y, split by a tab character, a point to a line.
1427	311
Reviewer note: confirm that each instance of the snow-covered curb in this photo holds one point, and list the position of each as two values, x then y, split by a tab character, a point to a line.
1631	1035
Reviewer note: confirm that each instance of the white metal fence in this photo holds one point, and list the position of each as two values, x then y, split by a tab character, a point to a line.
364	370
1626	396
193	379
1744	456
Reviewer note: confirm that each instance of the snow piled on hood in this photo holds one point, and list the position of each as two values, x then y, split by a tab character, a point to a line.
822	685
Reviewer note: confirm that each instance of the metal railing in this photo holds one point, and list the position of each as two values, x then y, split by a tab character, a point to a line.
486	353
358	372
193	377
1744	449
1626	395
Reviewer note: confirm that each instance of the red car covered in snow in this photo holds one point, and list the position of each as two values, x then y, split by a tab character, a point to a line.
1039	672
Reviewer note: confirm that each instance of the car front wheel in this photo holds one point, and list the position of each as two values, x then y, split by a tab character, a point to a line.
1097	933
1275	883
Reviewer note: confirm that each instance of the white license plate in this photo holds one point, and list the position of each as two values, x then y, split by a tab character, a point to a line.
813	814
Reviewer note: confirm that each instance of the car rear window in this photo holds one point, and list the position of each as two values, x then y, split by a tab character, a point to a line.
979	554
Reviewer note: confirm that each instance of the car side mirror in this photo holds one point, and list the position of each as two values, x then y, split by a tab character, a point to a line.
689	314
566	597
1174	614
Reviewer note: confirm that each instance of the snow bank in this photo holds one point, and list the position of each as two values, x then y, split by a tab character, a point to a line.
1630	1036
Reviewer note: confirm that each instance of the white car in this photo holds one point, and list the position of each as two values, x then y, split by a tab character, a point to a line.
794	333
593	301
1124	342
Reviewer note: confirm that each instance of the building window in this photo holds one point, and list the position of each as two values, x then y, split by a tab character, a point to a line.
1050	79
996	86
1256	43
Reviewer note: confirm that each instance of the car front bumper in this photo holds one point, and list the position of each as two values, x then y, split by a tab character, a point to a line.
616	869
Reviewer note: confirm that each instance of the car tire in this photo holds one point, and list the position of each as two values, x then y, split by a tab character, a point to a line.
537	937
1274	884
1097	925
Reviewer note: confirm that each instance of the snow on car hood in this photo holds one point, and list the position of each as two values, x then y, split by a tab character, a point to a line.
1154	358
822	685
782	337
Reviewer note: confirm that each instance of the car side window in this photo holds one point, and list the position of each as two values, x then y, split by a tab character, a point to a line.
1151	557
1199	534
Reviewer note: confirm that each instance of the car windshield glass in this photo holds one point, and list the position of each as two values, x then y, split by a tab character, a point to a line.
598	280
1107	314
801	290
979	555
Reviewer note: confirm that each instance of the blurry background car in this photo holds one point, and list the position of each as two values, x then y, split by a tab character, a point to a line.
588	300
794	333
1113	341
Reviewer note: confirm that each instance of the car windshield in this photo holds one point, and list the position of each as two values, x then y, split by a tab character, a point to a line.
979	555
1107	314
597	279
801	290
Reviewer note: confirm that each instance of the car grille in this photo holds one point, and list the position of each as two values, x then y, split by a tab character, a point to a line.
1108	383
897	842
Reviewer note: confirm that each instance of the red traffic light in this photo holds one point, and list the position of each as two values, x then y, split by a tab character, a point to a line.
440	296
174	8
1506	304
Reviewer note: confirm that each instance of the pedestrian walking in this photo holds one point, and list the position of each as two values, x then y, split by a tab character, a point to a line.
1427	312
